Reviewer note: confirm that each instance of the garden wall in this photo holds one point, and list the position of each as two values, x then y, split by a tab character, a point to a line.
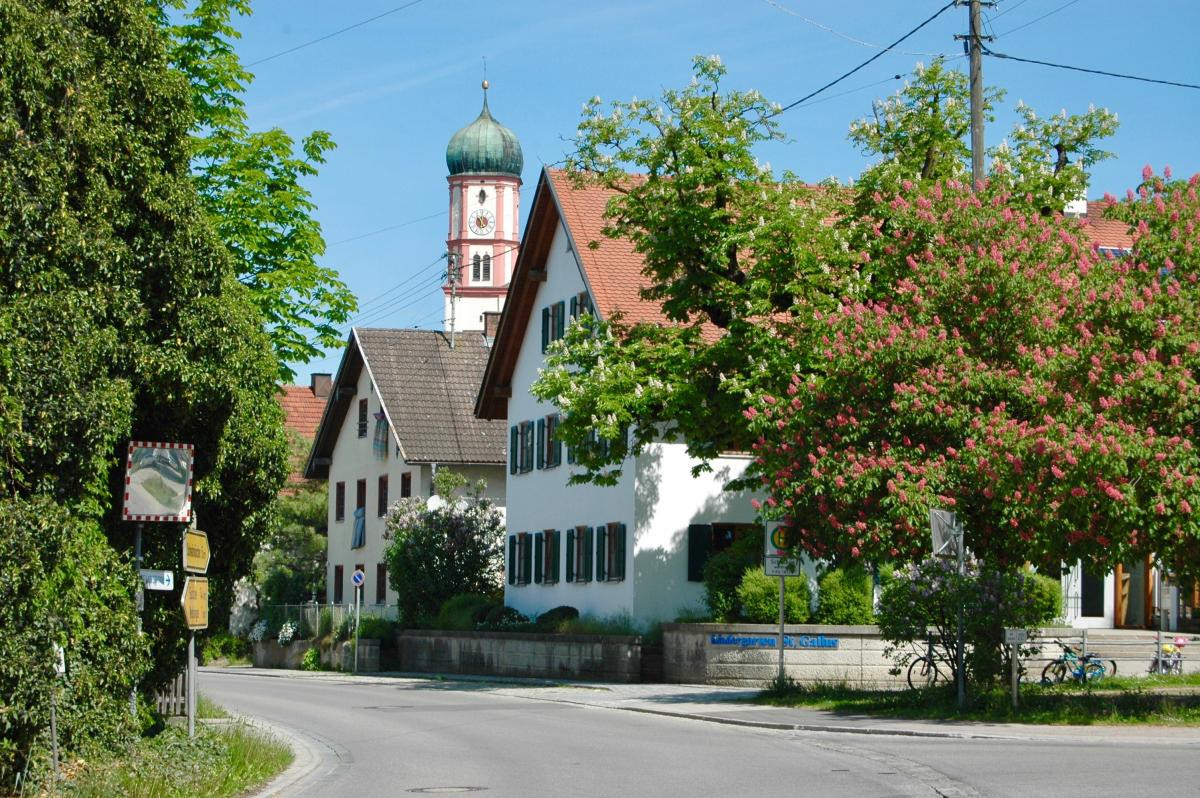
338	656
605	658
748	655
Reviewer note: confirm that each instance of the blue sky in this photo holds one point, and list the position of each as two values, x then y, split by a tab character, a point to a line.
393	91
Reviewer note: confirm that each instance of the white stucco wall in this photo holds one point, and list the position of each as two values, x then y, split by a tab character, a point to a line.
353	459
656	496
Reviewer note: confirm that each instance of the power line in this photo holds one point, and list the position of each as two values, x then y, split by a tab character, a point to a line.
852	91
994	54
331	35
394	310
1038	19
870	60
1009	9
383	230
363	308
780	7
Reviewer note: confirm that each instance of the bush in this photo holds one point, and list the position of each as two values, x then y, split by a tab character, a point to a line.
61	583
287	633
504	618
325	623
375	628
311	661
461	612
620	623
552	619
758	595
436	554
846	596
222	645
922	601
723	573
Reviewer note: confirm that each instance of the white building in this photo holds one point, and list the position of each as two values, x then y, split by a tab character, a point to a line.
401	403
638	547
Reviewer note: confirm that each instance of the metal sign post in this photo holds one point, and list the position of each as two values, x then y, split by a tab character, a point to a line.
358	578
778	560
1014	637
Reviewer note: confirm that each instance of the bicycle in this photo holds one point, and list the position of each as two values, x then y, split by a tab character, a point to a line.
1089	668
923	672
1170	659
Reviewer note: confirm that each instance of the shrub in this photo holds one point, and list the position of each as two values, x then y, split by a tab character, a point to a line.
222	645
922	601
375	628
325	623
505	618
460	612
758	595
723	573
258	631
620	623
551	620
846	596
61	583
287	633
311	661
435	554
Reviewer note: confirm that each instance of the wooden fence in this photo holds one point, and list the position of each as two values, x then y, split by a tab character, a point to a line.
172	699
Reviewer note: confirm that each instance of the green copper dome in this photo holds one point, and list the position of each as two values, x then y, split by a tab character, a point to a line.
484	146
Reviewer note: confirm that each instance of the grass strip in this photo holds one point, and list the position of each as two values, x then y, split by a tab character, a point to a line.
1162	701
219	762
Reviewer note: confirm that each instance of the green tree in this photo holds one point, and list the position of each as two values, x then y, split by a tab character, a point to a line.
120	313
251	185
290	566
436	553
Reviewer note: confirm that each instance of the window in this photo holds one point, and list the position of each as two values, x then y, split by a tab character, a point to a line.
475	263
581	303
705	540
486	274
520	558
360	515
362	418
579	554
520	448
546	557
554	323
549	447
339	502
380	583
405	484
382	499
610	552
360	494
338	574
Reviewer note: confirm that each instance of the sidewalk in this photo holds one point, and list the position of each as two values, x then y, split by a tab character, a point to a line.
715	704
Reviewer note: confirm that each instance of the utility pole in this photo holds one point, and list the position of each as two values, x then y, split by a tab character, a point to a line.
452	273
975	49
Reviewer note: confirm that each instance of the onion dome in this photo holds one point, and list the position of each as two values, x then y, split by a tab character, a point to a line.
484	147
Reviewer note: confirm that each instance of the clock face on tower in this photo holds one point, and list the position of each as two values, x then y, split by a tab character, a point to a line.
482	222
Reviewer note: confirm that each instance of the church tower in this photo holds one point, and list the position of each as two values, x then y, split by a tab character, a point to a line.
484	160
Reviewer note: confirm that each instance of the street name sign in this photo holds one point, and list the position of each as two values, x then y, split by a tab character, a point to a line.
157	580
196	553
195	602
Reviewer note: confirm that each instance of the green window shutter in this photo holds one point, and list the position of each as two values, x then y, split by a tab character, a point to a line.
620	545
601	563
699	545
574	307
526	559
570	555
553	542
514	448
587	554
560	320
512	559
538	545
541	443
545	328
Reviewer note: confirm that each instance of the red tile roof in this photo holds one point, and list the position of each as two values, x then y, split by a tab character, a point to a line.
302	409
1107	233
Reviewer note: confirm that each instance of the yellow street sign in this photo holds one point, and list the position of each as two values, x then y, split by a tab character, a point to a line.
195	551
195	602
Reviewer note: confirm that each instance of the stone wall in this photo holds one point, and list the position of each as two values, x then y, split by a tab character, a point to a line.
270	654
605	658
747	655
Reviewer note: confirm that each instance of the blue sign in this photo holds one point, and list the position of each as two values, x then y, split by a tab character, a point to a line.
358	578
772	641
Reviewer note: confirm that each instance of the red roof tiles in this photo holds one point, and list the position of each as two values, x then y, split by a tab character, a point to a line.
302	409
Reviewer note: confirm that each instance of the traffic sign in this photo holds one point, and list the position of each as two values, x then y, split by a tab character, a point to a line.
157	580
1015	637
778	558
358	578
196	553
195	602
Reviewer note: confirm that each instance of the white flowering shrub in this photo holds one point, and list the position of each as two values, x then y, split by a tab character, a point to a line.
287	633
258	631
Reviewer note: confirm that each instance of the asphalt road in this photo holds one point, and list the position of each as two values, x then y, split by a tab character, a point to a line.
426	737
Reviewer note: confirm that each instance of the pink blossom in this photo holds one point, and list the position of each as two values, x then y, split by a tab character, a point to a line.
1057	472
1184	507
756	504
750	413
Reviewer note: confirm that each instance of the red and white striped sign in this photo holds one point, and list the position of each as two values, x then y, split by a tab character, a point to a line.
158	482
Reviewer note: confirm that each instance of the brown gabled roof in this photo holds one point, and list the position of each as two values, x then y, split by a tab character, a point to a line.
427	391
612	271
302	409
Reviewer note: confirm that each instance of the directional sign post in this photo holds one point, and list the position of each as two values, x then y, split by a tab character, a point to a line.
779	560
157	580
359	579
195	612
196	553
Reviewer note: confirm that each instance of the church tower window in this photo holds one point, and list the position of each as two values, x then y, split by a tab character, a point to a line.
475	269
486	274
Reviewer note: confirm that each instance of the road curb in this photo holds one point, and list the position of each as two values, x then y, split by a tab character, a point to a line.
306	759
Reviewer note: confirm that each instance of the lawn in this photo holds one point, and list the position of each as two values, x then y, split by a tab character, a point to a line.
1157	700
222	760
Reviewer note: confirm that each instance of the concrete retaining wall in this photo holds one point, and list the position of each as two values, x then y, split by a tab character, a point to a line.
269	654
589	657
747	655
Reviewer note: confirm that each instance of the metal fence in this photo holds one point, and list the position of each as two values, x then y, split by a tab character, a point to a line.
313	620
1134	652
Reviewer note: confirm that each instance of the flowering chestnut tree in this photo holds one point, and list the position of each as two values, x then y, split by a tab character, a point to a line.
1043	389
